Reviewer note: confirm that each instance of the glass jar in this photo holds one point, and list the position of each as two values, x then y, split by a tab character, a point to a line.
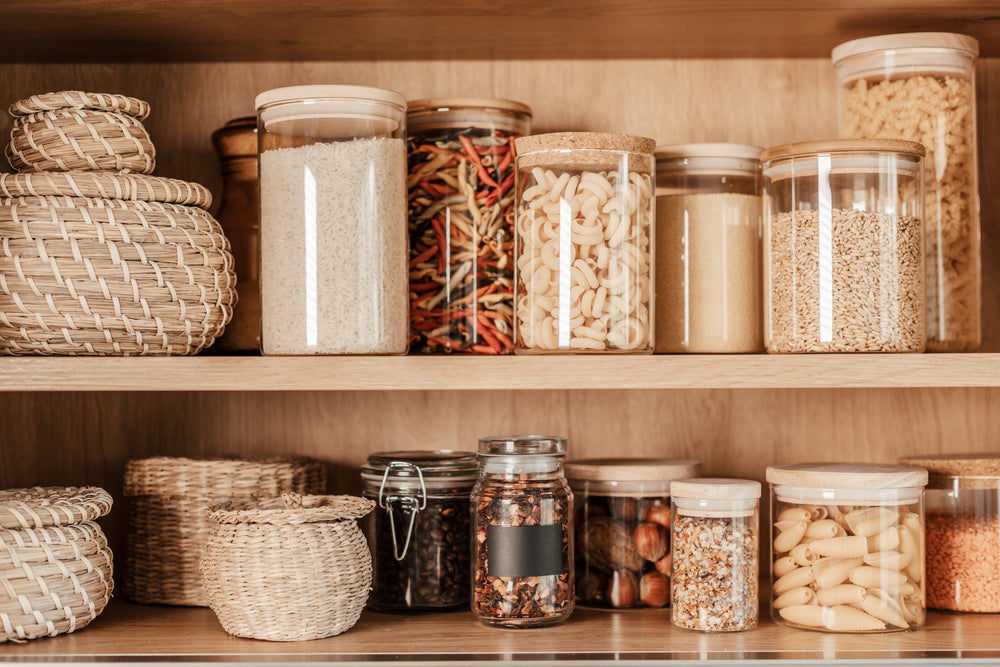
420	530
843	247
962	531
922	87
461	213
708	208
584	243
333	220
622	522
847	547
715	554
523	547
236	145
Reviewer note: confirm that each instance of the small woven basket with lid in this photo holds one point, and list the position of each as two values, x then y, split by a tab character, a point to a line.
167	523
289	568
72	130
55	565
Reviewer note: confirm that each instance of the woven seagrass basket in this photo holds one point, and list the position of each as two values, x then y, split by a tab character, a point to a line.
55	565
73	130
289	568
143	274
167	523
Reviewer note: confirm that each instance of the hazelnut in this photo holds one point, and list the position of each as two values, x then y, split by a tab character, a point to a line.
588	587
663	565
650	541
660	514
654	589
622	589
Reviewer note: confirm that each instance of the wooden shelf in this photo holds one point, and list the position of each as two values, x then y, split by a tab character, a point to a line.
131	633
300	30
218	373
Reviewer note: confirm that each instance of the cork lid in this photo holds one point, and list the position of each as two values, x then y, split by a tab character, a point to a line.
949	41
846	146
716	488
632	470
570	141
970	471
847	475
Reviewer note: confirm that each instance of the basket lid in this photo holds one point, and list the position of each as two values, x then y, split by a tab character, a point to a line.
52	506
716	488
220	478
632	470
78	99
105	185
847	475
969	470
292	508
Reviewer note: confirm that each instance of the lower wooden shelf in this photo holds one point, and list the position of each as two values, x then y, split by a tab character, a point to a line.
128	633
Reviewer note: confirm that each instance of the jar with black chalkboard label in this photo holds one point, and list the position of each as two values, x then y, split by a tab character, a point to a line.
522	522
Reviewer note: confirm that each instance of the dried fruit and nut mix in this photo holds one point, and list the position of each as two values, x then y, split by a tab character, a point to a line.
622	521
523	548
421	529
843	247
715	554
461	212
847	548
921	87
963	531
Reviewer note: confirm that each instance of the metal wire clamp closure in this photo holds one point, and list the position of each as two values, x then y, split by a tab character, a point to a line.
405	503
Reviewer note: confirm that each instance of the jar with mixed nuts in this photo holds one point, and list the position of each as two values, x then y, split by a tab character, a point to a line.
420	530
622	521
715	548
523	546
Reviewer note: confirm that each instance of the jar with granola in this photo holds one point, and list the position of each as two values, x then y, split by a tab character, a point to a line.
715	554
522	522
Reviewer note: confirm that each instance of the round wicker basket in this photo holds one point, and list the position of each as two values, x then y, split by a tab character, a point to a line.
289	568
167	523
55	565
93	276
74	130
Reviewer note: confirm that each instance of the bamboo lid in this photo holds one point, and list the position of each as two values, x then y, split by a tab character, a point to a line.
585	141
966	470
632	470
716	488
479	103
907	40
807	148
709	150
336	91
847	475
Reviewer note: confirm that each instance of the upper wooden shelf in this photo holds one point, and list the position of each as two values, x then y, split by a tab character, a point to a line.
220	373
297	30
128	633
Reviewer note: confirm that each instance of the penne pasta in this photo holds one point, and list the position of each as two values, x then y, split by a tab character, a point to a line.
802	576
830	572
795	596
841	547
841	594
789	534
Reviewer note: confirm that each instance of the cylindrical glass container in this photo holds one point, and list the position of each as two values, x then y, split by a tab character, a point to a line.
622	521
333	220
715	547
522	522
843	247
847	546
236	145
962	531
584	243
922	87
708	230
461	213
420	529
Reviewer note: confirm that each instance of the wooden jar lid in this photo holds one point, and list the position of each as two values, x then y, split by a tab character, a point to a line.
716	488
438	104
806	148
907	40
968	471
847	476
632	470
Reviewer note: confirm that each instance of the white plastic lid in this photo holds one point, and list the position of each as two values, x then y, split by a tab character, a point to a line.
716	488
328	92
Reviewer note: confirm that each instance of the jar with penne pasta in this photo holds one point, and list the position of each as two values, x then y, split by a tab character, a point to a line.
583	243
847	546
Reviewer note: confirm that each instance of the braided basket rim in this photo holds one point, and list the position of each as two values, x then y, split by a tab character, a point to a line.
105	185
291	509
40	506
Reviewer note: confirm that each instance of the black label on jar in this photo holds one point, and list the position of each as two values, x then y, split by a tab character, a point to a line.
524	551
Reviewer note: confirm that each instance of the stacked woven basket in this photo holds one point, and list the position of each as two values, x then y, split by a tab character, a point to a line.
97	257
55	566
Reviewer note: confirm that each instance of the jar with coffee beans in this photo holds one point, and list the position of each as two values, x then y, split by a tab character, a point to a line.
622	523
419	532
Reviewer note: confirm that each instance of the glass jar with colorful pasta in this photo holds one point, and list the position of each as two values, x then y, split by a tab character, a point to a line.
963	531
843	247
922	87
847	546
583	243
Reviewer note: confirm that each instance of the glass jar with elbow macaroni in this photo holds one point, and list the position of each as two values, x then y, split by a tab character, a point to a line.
922	87
584	243
847	546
